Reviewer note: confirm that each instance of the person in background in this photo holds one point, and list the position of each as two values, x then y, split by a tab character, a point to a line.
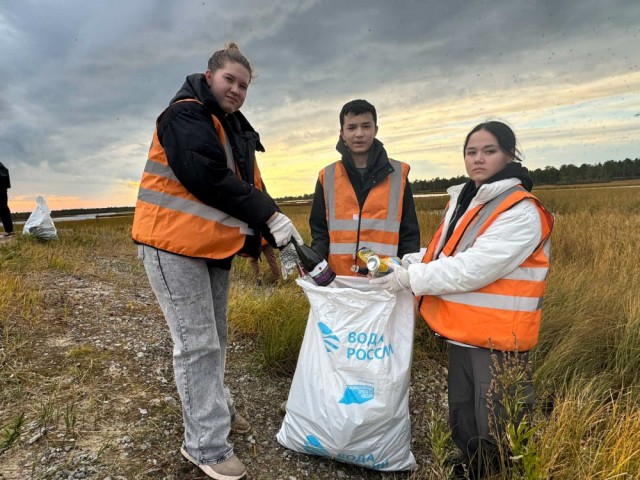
270	256
364	199
5	213
200	203
480	286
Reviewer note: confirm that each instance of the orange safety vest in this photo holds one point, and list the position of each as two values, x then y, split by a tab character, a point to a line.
504	315
376	226
170	218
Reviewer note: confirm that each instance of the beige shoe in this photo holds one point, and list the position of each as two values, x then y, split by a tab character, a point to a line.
239	424
283	408
231	469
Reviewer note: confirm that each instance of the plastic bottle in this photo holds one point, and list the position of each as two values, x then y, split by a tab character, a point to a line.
312	262
377	265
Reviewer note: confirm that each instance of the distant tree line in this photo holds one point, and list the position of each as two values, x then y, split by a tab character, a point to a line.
601	172
437	184
566	174
76	211
307	196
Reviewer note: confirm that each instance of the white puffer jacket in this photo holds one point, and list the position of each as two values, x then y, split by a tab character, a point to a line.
506	243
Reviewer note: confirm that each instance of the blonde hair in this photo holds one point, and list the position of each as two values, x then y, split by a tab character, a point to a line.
230	53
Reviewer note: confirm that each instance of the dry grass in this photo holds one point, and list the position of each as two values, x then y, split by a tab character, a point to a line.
51	377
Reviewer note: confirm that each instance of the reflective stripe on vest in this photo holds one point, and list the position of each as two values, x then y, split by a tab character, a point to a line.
377	226
504	315
170	218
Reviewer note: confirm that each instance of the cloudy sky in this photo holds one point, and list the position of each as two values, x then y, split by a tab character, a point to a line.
82	83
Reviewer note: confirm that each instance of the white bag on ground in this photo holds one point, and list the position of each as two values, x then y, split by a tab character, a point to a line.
40	224
349	397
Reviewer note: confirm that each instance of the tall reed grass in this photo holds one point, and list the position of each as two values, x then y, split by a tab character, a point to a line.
587	365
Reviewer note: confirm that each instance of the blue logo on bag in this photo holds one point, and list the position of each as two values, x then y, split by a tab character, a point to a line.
357	394
313	446
331	340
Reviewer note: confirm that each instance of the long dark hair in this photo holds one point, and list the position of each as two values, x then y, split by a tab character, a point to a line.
504	135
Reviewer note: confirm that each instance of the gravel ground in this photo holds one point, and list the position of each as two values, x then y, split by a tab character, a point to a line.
126	413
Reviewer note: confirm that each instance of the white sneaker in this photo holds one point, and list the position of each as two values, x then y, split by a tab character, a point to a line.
231	469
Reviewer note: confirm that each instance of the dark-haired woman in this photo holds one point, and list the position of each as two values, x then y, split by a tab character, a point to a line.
480	285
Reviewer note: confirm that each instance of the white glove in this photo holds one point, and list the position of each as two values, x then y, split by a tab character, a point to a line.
282	229
394	281
411	258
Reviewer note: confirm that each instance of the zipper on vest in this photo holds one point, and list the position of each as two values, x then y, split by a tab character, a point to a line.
355	254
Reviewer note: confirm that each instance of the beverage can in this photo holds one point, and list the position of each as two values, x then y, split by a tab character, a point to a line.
377	265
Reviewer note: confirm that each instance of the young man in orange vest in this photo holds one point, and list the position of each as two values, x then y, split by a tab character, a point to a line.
364	199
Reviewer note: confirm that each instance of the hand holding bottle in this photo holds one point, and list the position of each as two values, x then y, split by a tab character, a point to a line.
282	230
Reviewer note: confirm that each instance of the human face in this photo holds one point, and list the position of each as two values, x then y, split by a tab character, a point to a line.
483	157
229	85
358	132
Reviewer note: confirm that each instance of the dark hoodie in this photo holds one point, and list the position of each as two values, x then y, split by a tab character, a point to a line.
378	167
469	191
197	157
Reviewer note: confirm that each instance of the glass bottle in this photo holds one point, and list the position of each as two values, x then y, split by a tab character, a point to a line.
317	267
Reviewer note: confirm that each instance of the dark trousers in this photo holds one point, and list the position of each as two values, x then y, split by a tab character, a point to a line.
270	256
5	213
471	405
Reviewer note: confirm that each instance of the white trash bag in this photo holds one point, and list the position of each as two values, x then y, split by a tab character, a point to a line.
349	397
40	224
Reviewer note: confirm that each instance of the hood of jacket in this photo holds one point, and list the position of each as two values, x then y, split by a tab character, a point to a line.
195	86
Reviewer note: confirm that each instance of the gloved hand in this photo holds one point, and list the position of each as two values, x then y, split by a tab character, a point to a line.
411	258
282	229
394	281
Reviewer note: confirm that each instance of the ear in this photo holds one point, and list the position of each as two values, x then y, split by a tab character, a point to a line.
376	132
208	74
341	135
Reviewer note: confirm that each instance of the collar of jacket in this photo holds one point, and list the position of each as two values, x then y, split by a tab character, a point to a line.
512	171
195	86
378	166
485	193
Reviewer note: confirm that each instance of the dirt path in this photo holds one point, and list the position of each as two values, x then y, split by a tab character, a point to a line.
101	370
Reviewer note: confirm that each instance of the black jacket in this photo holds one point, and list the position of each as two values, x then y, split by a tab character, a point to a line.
197	157
5	180
378	167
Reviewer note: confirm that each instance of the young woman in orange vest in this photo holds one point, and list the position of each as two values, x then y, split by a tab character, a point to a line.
480	283
201	201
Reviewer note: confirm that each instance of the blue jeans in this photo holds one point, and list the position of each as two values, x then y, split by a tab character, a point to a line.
193	298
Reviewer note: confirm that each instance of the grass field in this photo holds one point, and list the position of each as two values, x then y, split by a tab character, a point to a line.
587	365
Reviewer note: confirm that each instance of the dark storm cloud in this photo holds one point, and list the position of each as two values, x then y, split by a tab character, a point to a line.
85	80
336	48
